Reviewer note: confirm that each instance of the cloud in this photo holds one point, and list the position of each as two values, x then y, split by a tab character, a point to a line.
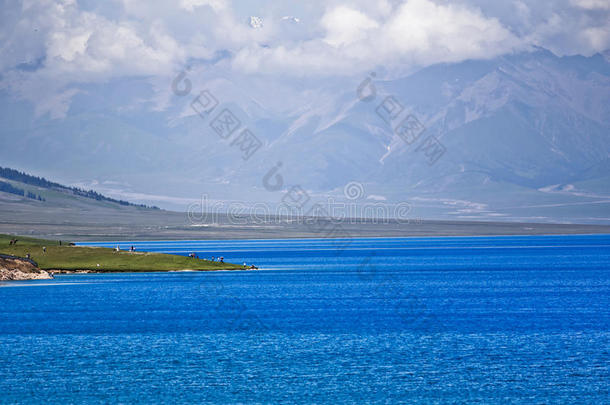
415	33
592	4
597	37
81	42
49	47
345	25
580	27
76	46
216	5
441	33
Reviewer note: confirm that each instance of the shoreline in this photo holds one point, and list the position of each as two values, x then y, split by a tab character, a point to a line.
15	268
7	275
87	243
23	258
88	271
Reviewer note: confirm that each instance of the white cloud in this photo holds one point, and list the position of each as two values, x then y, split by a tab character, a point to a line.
79	46
592	4
598	37
68	45
440	33
419	32
93	44
344	25
190	5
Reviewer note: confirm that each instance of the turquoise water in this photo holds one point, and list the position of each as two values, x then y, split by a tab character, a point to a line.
426	320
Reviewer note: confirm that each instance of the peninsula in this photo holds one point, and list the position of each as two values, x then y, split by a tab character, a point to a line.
31	258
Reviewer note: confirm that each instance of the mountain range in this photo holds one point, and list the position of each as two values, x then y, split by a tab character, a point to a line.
524	137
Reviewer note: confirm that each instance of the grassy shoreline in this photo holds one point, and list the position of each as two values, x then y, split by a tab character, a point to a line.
66	258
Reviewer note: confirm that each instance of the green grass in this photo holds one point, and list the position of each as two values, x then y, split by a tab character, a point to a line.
87	258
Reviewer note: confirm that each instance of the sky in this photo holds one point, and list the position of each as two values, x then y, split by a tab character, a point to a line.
51	49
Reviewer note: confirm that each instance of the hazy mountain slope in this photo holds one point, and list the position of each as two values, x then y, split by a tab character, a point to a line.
512	126
516	129
68	217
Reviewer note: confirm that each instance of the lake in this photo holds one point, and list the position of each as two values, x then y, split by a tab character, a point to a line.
372	320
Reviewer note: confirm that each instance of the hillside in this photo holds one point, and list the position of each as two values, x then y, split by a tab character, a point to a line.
11	175
61	212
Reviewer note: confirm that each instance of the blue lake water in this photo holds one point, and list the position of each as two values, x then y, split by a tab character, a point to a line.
387	320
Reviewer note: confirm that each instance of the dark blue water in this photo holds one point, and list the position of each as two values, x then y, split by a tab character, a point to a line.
434	320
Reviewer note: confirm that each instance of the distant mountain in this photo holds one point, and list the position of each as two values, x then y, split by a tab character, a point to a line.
21	178
525	137
522	137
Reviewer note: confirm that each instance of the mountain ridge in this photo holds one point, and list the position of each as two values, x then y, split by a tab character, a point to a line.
511	125
41	182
